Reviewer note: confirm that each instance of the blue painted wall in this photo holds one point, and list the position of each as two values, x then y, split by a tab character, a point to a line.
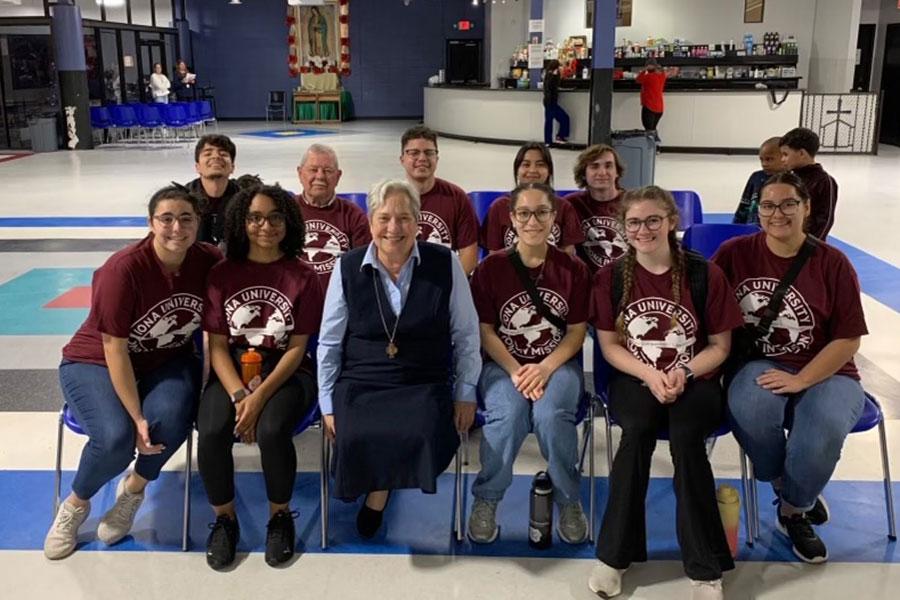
242	51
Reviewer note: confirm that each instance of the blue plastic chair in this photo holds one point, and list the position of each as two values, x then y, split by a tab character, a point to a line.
100	118
123	117
561	193
871	417
174	116
149	118
706	238
67	419
358	198
206	113
689	208
482	202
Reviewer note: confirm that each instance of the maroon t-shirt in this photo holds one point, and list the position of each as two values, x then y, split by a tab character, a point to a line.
497	231
330	231
652	337
563	282
262	305
133	296
823	303
604	240
448	217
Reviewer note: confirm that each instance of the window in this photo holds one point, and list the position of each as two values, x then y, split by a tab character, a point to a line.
164	13
141	12
89	9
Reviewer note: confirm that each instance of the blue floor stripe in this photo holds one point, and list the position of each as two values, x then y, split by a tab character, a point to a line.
73	221
416	523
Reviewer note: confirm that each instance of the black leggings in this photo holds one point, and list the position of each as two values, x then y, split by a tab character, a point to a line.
274	429
690	419
650	119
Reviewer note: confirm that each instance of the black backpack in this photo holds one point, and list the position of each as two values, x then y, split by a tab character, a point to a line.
697	271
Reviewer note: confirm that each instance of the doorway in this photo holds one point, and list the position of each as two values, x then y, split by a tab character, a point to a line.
865	48
890	86
150	52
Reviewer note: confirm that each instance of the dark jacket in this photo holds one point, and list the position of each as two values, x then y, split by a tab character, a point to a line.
747	210
823	193
551	89
212	217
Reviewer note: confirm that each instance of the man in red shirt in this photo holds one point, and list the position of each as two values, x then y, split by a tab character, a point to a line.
652	81
333	225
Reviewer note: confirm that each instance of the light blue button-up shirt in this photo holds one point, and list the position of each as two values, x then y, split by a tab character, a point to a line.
464	333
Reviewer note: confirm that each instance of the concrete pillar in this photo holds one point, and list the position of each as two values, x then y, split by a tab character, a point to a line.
832	57
537	12
68	42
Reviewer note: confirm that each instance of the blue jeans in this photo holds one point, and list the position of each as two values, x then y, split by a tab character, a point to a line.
509	417
168	399
818	420
161	99
555	111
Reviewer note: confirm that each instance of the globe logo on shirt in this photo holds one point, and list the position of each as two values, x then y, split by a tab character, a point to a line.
510	237
169	324
603	241
433	229
791	331
323	245
524	331
261	315
654	338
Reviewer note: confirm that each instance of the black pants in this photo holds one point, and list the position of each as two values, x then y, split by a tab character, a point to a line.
690	419
274	429
650	119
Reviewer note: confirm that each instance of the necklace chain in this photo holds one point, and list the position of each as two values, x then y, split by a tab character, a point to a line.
391	347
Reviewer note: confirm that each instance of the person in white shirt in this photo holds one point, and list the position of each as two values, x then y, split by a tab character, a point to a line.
159	85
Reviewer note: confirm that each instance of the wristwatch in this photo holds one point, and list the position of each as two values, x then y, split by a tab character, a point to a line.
238	396
688	374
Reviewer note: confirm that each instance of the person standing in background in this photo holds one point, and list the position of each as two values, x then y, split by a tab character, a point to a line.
652	81
183	82
552	109
798	154
159	85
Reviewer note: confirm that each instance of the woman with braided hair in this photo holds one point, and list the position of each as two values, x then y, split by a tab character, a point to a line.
665	351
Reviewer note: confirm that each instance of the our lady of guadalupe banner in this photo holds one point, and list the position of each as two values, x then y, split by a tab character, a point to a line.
319	38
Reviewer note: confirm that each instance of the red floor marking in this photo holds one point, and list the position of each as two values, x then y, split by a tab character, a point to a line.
8	157
77	297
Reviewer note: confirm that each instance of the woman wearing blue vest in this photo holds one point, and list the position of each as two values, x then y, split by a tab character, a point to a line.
399	358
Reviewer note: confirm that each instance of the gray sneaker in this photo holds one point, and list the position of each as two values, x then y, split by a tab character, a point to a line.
483	527
573	526
119	519
63	535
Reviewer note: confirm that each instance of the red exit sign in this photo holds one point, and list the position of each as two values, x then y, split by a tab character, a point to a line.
469	25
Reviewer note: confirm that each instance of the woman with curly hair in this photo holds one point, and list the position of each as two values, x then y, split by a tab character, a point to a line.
260	299
666	352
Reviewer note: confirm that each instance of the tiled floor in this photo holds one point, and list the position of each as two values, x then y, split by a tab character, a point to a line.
118	182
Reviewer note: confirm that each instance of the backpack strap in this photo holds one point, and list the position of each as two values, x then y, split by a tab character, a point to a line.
697	270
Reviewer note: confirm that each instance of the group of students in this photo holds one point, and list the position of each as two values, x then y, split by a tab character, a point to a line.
402	330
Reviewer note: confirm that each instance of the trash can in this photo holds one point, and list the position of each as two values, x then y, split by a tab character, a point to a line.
637	148
43	134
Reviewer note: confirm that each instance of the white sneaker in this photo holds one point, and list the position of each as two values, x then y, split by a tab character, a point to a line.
707	590
63	535
606	580
119	519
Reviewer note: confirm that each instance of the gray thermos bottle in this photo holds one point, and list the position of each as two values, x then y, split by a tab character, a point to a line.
540	517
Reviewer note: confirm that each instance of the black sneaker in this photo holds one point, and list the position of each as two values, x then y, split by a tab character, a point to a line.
807	545
222	542
817	515
280	538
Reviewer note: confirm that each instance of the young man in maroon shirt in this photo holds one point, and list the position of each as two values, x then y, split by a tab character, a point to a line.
447	217
333	225
214	157
598	171
798	153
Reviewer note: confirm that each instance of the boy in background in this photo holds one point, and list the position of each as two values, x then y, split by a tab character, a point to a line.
770	161
798	154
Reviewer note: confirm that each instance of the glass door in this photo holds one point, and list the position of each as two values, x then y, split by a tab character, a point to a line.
150	53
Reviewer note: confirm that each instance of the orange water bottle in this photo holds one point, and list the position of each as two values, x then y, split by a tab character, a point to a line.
730	512
251	368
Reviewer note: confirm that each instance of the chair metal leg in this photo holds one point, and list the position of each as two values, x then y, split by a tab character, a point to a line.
58	481
754	494
710	445
323	486
465	441
592	471
745	488
888	492
457	516
609	450
189	450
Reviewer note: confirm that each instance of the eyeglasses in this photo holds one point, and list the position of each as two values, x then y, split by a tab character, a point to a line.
523	215
652	223
414	153
326	171
787	208
168	220
275	219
